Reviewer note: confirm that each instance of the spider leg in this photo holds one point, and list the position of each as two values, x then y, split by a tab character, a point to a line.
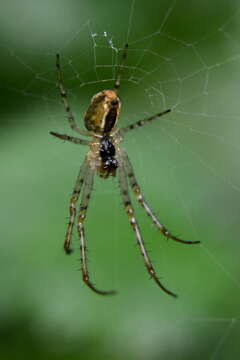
63	94
72	207
137	191
120	68
87	189
139	123
70	138
130	212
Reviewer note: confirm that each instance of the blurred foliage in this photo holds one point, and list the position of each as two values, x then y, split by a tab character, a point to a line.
189	173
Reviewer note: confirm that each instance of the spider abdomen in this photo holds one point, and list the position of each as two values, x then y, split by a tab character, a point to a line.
103	112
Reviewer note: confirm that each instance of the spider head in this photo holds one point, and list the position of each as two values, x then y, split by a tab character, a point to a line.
103	112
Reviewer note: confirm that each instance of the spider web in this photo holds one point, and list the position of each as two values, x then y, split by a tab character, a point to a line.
186	162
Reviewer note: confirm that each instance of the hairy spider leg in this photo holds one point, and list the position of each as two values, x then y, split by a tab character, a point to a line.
137	191
140	123
87	189
63	93
72	207
121	67
70	138
130	212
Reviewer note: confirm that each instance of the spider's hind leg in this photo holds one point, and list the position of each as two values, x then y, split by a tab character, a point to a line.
120	68
63	94
140	198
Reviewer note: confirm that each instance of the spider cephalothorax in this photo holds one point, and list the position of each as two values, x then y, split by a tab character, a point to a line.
105	157
107	152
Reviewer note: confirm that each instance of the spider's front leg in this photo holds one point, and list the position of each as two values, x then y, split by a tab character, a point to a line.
87	189
137	191
130	212
72	207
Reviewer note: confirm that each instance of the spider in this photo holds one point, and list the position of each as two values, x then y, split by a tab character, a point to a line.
105	158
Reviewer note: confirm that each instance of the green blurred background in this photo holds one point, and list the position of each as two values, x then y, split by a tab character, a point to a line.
185	55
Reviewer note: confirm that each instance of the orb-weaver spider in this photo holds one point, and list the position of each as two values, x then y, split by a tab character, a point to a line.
106	158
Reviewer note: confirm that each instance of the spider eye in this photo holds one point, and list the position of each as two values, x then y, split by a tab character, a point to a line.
114	102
